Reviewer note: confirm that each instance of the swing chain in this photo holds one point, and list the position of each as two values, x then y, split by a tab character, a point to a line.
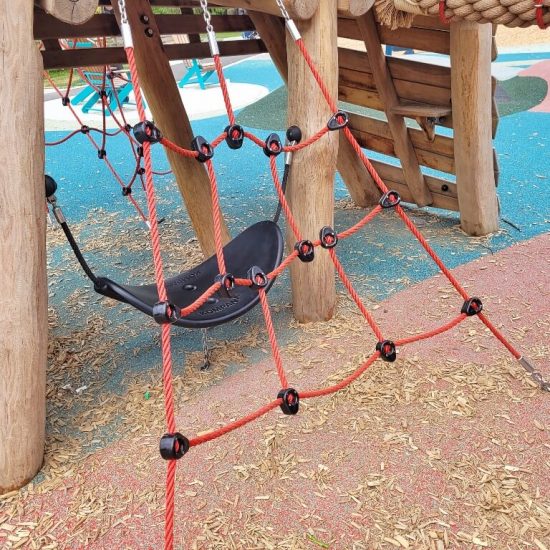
206	15
284	13
206	350
123	14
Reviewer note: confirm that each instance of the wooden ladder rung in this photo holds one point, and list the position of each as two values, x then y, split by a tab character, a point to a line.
421	110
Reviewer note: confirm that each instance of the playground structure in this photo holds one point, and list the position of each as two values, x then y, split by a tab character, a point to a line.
467	83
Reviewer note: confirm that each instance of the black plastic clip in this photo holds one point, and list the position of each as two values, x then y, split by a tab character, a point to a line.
258	277
126	191
147	131
65	100
101	153
173	446
471	307
227	282
294	134
390	199
51	186
273	145
203	148
140	171
338	120
103	93
139	151
85	129
235	136
306	251
165	313
128	128
329	238
291	401
387	350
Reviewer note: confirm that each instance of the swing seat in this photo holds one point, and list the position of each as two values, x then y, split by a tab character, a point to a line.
261	245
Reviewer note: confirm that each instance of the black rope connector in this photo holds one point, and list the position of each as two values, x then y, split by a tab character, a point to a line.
139	151
203	148
258	277
291	401
294	134
387	350
227	282
147	131
173	446
390	199
471	307
103	93
126	191
140	171
101	153
306	251
85	129
273	145
329	238
338	120
128	127
65	100
165	313
51	186
235	136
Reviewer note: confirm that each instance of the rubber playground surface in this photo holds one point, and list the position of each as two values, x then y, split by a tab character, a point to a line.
446	448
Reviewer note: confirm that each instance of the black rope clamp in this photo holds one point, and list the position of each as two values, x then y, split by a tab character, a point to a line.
203	148
101	153
227	282
291	401
235	136
329	238
147	131
173	446
139	151
390	199
338	120
103	93
51	186
165	313
128	128
273	145
306	251
85	129
387	350
258	277
471	307
65	101
126	190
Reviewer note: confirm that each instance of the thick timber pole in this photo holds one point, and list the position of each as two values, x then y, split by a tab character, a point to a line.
471	45
311	184
164	100
23	300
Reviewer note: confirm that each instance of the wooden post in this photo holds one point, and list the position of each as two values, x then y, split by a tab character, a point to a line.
23	300
471	99
311	184
360	184
164	100
75	12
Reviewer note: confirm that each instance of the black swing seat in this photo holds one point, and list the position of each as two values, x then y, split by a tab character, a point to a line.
260	245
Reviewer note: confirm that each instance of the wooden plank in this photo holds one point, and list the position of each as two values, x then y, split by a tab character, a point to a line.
444	192
90	57
24	298
471	87
164	100
413	110
310	189
384	83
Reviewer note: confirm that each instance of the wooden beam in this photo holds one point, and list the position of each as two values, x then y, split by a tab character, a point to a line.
24	298
311	184
298	9
164	100
384	83
75	12
354	8
471	97
273	32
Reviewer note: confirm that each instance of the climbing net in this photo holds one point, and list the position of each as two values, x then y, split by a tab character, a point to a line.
174	445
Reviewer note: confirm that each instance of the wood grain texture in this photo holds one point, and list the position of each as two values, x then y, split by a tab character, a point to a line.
311	184
23	300
75	12
164	100
471	97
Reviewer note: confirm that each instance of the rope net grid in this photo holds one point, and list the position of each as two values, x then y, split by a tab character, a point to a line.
173	445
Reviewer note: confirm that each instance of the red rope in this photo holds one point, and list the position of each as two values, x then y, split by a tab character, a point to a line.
216	212
442	7
225	91
435	332
540	14
499	336
360	224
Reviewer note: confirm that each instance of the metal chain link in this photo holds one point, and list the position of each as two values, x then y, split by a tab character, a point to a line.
206	15
123	14
205	349
283	10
